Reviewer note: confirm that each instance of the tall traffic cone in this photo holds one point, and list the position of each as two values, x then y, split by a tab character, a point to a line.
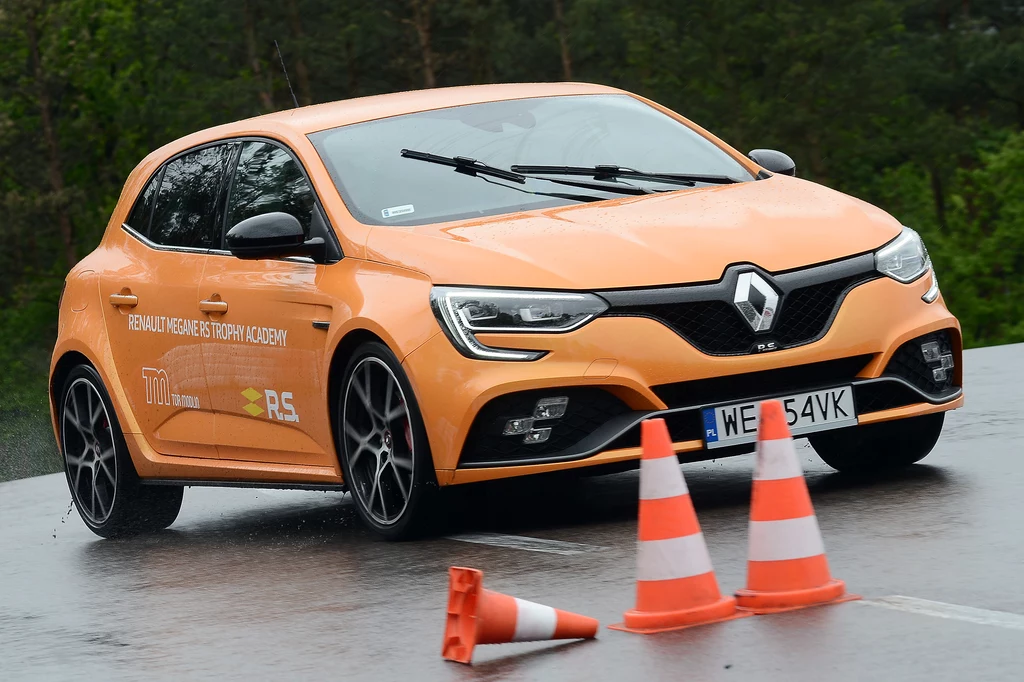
479	616
787	568
676	586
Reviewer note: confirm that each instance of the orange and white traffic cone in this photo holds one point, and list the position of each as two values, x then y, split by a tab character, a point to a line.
479	616
676	586
786	568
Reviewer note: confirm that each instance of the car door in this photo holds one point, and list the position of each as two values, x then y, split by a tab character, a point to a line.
154	320
265	354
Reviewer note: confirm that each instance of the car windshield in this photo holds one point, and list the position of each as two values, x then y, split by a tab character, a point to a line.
382	187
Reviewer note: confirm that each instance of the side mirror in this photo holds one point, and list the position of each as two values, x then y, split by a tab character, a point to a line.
773	161
271	235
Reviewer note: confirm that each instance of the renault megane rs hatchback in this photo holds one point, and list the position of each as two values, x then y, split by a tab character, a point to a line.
395	294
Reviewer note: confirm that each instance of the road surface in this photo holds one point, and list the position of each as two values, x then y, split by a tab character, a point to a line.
254	584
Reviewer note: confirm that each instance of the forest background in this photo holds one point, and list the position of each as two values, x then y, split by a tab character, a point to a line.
914	105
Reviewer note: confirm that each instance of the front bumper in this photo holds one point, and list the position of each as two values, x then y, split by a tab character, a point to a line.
649	370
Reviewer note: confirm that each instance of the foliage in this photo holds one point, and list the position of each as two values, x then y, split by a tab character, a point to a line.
915	105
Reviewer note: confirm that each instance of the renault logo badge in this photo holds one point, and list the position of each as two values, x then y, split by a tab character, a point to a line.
756	301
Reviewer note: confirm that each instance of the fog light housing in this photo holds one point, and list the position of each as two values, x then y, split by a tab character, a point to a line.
537	436
518	427
545	409
933	355
931	351
551	408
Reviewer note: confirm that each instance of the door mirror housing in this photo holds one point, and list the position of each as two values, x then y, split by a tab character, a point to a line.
272	235
773	161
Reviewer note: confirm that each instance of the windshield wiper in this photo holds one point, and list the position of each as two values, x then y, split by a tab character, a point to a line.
604	172
464	164
472	167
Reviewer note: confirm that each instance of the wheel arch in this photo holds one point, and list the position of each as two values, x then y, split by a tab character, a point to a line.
61	369
339	361
58	377
73	354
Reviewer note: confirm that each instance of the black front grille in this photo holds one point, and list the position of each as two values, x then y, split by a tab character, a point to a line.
908	363
768	382
682	426
883	395
807	312
588	409
715	327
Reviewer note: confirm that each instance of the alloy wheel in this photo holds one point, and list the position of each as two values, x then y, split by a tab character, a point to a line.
89	451
378	441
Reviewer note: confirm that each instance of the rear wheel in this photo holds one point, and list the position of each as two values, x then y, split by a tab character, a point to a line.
383	445
103	482
875	448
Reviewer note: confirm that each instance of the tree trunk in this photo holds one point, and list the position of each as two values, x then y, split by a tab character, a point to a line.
55	169
301	71
421	21
266	101
563	40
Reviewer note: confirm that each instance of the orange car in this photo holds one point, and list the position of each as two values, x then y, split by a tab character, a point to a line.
395	294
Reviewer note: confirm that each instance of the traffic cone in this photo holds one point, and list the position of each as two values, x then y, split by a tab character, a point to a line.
676	586
479	616
786	568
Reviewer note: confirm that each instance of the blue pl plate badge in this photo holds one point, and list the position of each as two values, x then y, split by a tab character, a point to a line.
710	425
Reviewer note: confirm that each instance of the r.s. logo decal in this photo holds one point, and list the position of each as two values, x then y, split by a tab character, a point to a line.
278	405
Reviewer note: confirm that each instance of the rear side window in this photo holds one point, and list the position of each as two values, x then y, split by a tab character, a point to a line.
268	179
138	219
187	201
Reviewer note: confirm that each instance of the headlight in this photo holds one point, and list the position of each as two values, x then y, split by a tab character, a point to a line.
904	258
464	312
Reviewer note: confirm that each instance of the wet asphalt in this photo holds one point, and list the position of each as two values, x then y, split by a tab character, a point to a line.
258	584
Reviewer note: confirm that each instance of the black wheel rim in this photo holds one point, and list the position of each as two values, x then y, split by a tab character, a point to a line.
378	441
89	451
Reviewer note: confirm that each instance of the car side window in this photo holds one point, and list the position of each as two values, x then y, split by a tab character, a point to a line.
185	213
268	179
138	219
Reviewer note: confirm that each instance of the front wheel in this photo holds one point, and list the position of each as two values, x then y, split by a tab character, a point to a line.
382	444
103	482
877	448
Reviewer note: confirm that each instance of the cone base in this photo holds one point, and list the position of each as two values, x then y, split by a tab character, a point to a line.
832	592
650	622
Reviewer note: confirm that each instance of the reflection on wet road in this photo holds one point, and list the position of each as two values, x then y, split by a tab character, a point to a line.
272	584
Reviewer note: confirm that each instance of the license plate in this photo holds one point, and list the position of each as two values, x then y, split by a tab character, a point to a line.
736	424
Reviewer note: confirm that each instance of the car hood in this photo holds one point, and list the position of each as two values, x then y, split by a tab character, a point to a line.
687	236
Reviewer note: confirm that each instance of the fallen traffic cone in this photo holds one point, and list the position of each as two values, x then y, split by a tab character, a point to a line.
786	568
479	616
676	586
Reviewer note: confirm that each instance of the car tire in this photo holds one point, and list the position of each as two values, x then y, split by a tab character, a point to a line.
104	485
877	448
382	445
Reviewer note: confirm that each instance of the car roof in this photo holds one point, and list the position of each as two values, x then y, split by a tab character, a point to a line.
310	119
331	114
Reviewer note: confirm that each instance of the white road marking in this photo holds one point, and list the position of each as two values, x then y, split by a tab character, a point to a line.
529	544
938	609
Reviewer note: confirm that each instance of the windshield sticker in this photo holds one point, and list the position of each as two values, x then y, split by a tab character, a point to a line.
397	210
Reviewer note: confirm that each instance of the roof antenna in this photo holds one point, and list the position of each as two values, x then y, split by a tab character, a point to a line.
286	78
